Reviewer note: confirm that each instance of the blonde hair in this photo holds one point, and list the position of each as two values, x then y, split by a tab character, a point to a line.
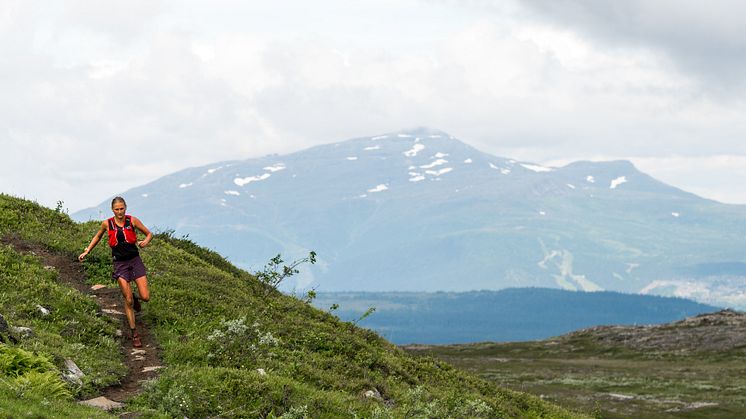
118	199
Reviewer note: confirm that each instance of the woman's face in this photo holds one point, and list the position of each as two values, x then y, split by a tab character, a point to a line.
118	209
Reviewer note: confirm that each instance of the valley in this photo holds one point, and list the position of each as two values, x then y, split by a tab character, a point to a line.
690	369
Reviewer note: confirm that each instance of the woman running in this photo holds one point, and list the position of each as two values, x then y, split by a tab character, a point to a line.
128	266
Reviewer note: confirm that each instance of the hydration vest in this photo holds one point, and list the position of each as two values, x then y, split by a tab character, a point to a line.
129	231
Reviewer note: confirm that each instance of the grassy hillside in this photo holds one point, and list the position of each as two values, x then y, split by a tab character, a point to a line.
690	369
230	346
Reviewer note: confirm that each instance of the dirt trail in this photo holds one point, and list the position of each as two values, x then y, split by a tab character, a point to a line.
139	362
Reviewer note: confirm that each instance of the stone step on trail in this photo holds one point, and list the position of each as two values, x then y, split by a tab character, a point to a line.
102	402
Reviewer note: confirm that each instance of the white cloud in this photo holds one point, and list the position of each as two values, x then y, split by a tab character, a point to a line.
169	85
705	39
715	177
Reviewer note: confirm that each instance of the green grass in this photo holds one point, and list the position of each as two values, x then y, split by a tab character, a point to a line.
30	372
230	347
616	382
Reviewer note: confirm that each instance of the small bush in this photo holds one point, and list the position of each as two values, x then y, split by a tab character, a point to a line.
15	362
30	376
38	385
237	344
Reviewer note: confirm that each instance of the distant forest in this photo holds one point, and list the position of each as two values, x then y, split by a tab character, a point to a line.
515	314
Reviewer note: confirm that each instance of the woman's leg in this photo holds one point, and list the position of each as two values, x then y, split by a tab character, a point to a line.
142	288
128	301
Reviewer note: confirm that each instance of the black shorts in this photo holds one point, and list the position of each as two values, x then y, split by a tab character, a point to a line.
129	269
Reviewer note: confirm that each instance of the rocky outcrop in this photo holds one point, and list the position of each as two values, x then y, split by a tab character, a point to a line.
720	331
5	331
73	374
22	332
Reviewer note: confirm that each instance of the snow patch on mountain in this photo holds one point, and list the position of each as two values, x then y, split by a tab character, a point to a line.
590	179
378	188
374	147
232	192
631	267
562	261
186	185
352	158
439	172
275	167
380	137
213	170
675	214
618	181
433	164
440	155
246	180
536	168
468	161
404	136
503	170
571	186
144	195
414	150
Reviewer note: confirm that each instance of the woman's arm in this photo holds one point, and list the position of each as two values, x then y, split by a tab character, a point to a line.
140	226
94	241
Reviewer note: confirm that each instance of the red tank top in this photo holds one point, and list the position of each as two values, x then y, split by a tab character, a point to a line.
128	230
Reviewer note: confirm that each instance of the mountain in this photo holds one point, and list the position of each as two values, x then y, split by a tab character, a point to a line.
419	210
514	314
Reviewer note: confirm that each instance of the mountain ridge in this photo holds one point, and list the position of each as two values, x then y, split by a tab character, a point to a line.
434	208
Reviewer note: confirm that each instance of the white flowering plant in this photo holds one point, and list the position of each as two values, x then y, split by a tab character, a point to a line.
239	343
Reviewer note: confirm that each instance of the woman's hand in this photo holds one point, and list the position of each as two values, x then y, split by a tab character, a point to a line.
83	255
142	243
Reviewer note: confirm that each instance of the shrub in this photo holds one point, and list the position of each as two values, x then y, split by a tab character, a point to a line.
38	385
236	344
30	376
15	362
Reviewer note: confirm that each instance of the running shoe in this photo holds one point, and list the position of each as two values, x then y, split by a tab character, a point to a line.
136	303
136	340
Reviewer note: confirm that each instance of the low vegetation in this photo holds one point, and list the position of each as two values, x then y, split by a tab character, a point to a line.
227	349
690	369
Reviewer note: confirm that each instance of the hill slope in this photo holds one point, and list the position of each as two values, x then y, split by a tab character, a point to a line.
410	211
691	368
230	345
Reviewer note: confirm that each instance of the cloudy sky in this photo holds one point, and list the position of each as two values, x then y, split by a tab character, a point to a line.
100	96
